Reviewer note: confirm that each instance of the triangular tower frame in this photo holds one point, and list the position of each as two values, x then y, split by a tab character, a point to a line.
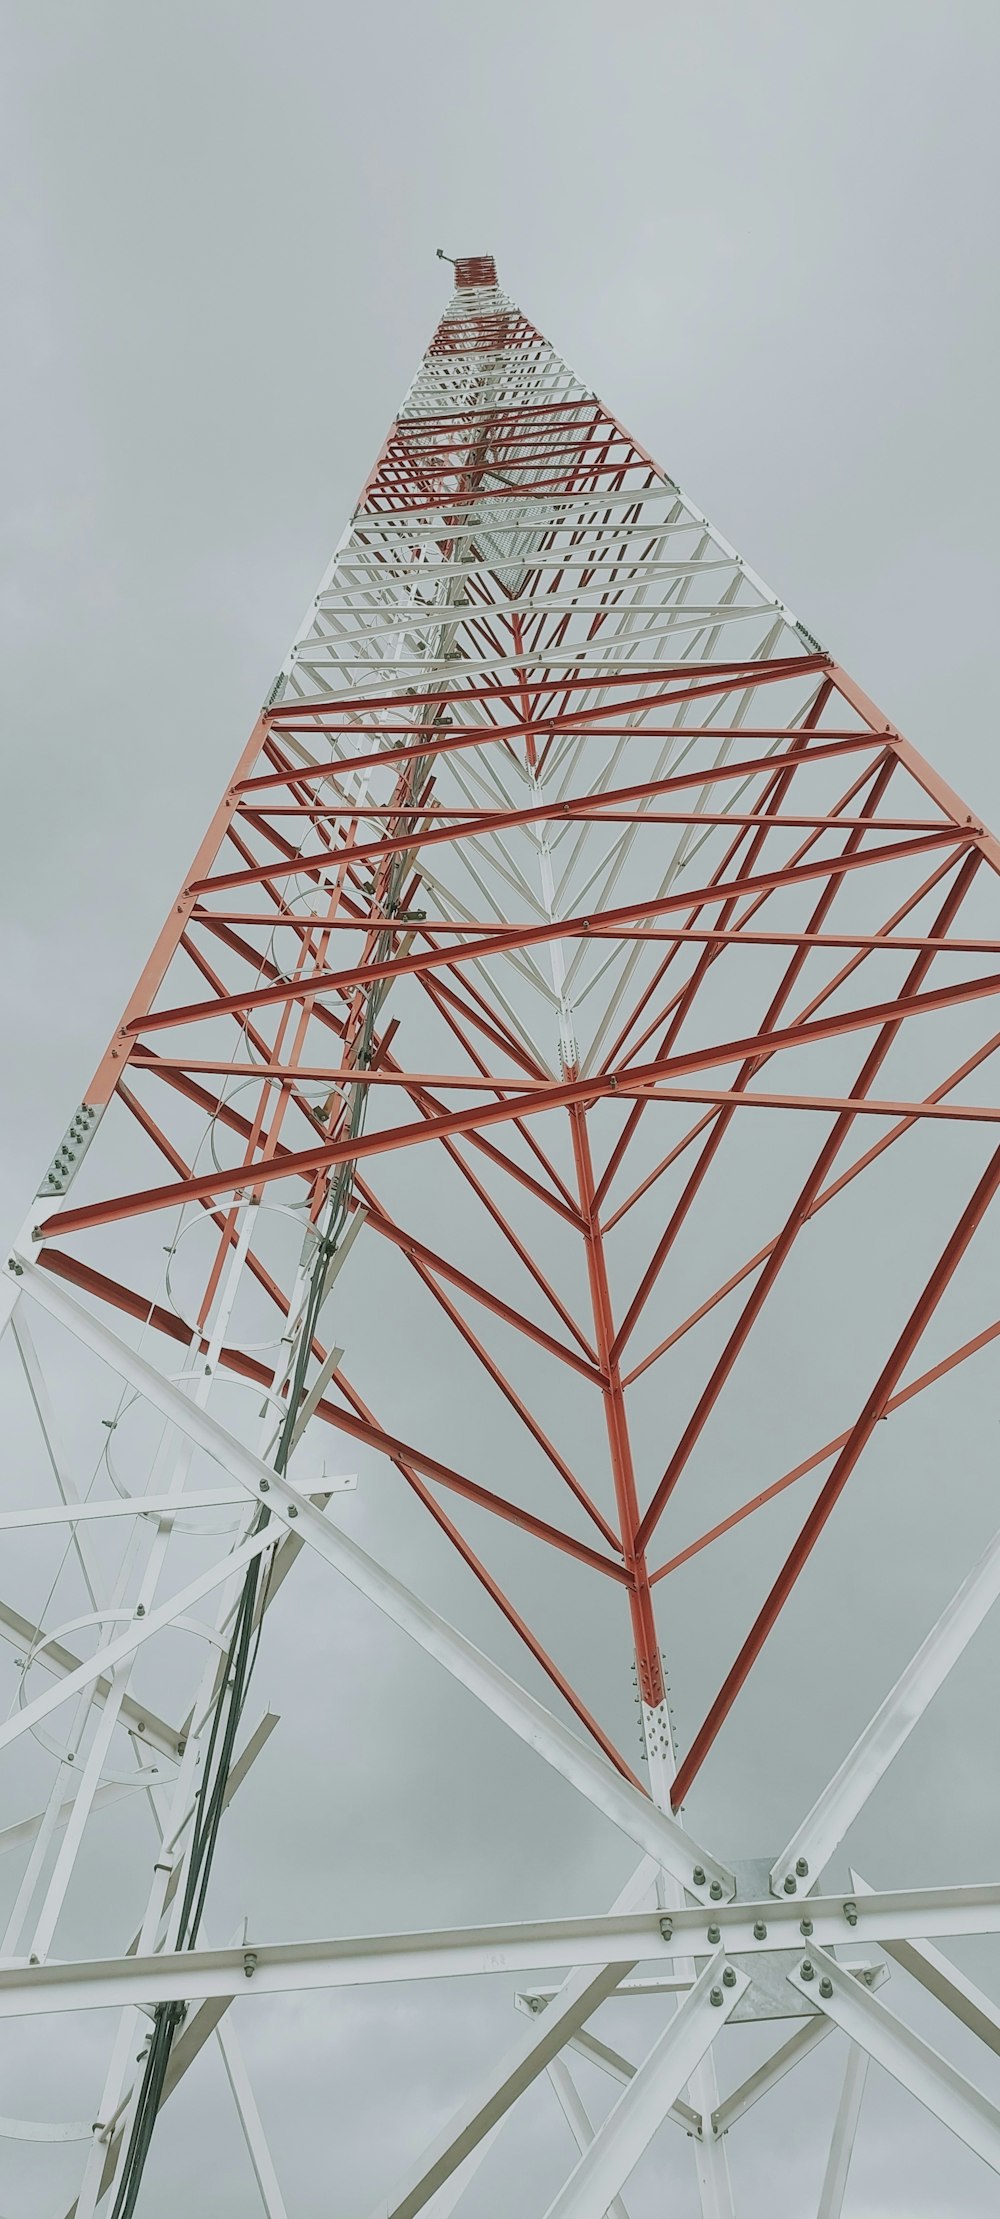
560	862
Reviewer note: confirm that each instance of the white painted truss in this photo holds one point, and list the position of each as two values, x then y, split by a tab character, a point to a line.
539	711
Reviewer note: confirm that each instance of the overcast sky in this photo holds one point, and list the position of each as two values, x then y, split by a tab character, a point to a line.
766	234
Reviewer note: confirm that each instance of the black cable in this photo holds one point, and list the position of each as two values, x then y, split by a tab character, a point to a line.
241	1654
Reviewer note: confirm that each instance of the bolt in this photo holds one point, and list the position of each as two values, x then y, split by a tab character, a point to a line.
805	1927
851	1913
714	1935
716	1996
826	1986
759	1930
666	1929
801	1866
698	1876
791	1885
250	1962
293	1510
15	1267
807	1969
264	1485
715	1891
729	1977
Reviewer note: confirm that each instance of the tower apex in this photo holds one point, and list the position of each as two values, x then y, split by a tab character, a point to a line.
471	269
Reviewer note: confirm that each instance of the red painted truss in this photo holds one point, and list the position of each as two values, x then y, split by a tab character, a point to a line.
620	953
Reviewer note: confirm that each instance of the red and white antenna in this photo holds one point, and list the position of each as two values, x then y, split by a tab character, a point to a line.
564	1087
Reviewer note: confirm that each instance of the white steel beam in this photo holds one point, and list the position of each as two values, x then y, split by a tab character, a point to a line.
112	1653
944	1981
823	1829
23	1830
268	1968
768	2074
578	2119
48	1426
188	2044
657	1833
444	2203
121	1506
61	1662
250	2120
834	2189
951	1987
531	2054
912	2061
610	2060
615	2151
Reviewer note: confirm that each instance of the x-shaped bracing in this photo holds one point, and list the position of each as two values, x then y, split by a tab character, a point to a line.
705	1945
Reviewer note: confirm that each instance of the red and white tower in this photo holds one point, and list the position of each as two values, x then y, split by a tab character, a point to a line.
563	1090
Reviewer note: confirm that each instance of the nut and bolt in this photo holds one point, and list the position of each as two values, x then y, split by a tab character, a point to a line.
666	1929
759	1930
805	1927
851	1913
807	1969
714	1935
791	1884
698	1876
716	1997
826	1986
715	1891
801	1866
729	1977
